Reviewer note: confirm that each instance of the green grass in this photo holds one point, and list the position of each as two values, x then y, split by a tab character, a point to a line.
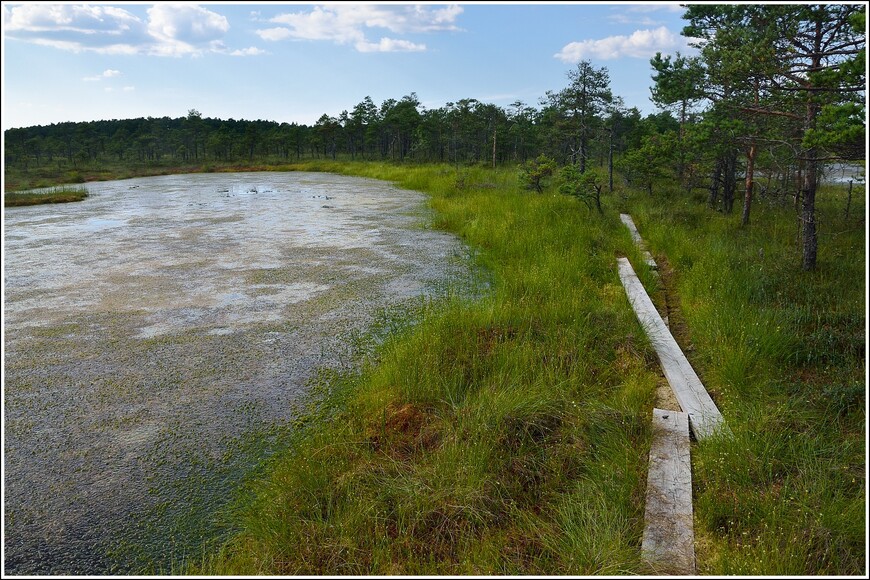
783	352
505	434
60	194
508	434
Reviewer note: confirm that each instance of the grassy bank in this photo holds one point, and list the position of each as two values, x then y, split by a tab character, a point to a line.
52	175
501	435
783	353
509	434
61	194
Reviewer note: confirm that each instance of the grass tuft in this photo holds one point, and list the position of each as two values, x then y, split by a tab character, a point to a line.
59	194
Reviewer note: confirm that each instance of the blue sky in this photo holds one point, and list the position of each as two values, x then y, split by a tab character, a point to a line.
294	62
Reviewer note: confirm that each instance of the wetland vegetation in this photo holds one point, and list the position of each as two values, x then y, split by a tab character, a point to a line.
58	194
159	338
509	434
506	430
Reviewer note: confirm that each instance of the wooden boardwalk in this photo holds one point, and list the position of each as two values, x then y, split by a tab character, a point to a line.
704	416
668	544
635	235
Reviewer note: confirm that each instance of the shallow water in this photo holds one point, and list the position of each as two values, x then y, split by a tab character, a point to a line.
153	331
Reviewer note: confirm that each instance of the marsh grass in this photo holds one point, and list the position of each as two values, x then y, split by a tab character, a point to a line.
58	194
504	433
505	430
783	353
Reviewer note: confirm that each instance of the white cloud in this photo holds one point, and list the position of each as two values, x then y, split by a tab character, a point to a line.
250	51
69	18
389	45
274	34
170	29
129	89
185	29
106	74
640	44
323	23
348	23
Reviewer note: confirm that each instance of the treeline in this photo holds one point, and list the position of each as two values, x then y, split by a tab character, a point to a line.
466	132
775	94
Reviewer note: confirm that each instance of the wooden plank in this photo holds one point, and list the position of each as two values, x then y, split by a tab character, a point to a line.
635	235
668	544
704	417
629	223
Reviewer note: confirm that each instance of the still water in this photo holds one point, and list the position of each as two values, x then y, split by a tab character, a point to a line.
158	334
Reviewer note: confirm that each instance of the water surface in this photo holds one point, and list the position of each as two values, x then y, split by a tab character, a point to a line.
153	327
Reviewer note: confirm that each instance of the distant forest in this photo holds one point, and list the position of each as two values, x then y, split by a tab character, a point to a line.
777	92
467	132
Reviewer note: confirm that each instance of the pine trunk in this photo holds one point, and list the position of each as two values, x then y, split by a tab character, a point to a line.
750	175
808	190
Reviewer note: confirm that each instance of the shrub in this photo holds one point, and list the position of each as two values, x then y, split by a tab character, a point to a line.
584	186
535	172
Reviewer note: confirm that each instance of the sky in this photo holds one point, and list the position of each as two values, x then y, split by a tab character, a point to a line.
293	62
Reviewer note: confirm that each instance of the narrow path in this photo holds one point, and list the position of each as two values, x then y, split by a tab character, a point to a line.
704	416
668	545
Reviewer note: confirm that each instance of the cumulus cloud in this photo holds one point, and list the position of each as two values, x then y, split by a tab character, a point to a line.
185	29
640	44
104	29
68	18
170	29
389	45
274	34
348	23
339	24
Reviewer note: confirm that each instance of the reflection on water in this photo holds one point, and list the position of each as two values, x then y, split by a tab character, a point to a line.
152	327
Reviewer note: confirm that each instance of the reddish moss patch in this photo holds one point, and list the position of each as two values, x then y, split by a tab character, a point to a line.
404	430
489	337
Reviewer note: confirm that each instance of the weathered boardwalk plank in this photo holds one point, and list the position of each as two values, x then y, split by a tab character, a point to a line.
704	416
635	235
668	544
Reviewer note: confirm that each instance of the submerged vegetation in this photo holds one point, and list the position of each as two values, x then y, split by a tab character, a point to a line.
60	194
